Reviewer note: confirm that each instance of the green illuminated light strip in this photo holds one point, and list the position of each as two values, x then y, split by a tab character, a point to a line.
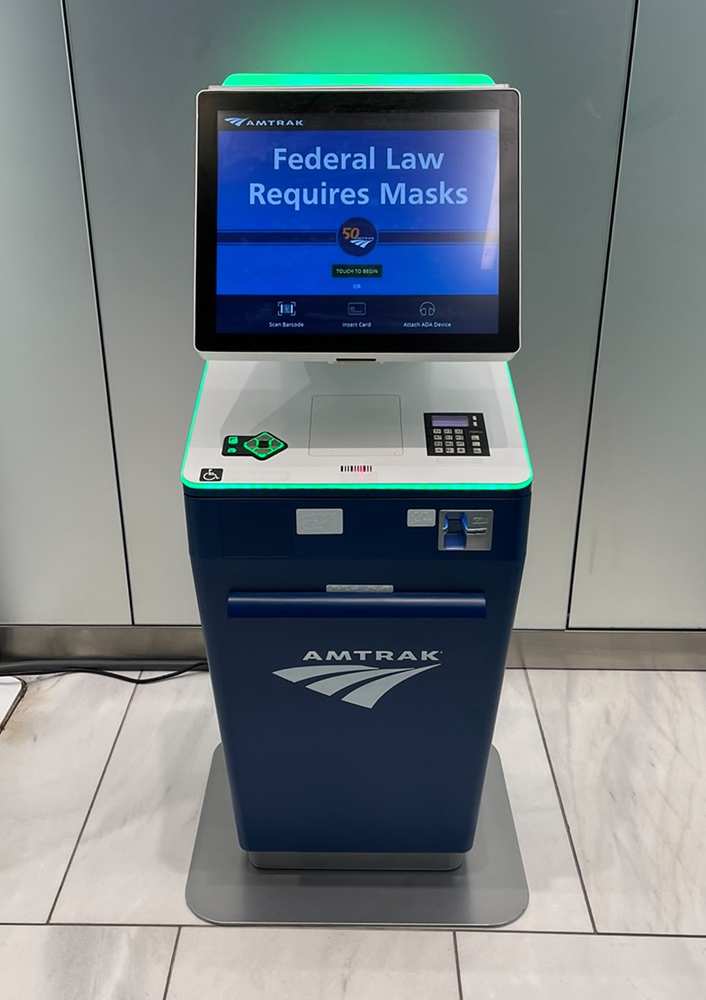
439	487
184	480
358	80
521	425
353	486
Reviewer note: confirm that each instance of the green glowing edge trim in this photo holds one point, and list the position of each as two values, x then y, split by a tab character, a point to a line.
358	80
521	426
442	487
185	481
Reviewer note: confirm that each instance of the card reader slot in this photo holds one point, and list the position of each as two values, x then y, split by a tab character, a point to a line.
465	530
365	605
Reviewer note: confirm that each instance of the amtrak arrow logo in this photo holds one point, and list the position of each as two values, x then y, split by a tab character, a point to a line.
369	683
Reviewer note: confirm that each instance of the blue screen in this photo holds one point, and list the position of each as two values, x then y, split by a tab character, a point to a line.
358	228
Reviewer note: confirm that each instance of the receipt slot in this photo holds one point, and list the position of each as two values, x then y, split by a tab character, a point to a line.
357	526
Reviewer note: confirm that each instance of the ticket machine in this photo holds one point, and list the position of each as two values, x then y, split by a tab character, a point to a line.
356	478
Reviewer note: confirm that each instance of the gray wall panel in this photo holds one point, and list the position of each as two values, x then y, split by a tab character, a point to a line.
139	65
61	552
642	552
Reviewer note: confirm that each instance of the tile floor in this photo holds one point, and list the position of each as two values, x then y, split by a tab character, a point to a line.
100	790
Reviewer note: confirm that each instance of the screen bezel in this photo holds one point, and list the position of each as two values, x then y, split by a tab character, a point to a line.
340	345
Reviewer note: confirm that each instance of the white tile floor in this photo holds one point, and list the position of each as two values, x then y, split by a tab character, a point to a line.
100	789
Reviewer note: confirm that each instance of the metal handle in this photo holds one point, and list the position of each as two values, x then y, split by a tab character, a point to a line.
318	605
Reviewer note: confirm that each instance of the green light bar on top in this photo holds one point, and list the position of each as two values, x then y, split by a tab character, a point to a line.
358	80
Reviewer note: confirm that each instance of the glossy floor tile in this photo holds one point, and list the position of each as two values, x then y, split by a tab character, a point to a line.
556	898
133	859
10	693
580	967
85	963
256	963
52	753
629	751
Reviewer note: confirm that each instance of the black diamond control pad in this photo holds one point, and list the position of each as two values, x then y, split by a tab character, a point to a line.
456	435
261	446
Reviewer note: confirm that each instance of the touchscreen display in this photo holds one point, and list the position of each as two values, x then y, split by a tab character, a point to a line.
351	222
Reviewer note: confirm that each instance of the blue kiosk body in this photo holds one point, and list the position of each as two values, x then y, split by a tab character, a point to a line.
357	531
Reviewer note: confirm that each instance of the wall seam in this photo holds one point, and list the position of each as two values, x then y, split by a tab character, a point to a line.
96	298
601	315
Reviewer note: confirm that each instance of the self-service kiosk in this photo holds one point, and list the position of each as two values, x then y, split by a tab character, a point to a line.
357	489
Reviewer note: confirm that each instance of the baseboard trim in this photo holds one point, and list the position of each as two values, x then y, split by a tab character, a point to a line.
138	642
581	649
610	649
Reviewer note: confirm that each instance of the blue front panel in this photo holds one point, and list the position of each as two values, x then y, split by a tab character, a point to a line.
348	732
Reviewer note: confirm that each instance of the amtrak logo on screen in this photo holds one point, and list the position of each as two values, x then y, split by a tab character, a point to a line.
366	671
267	122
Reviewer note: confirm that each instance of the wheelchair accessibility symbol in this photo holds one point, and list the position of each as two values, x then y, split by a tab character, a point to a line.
211	475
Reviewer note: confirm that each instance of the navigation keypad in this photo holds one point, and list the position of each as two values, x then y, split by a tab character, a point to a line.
260	446
451	435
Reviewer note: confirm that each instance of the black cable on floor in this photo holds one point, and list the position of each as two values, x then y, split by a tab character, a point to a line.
22	668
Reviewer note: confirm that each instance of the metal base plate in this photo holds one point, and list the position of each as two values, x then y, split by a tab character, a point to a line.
489	889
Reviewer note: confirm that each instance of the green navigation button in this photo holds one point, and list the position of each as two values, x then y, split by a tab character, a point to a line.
264	445
233	446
